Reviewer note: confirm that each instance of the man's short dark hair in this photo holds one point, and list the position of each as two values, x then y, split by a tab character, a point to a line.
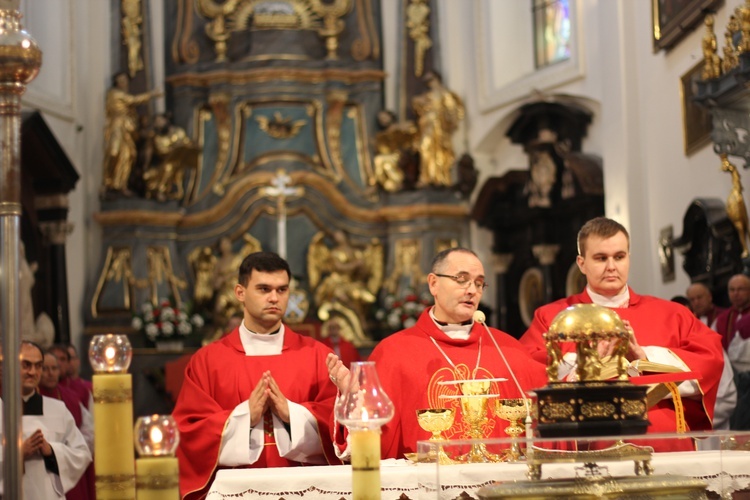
601	227
63	348
34	345
266	262
437	261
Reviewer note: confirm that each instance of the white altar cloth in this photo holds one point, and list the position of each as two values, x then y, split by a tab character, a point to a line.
723	472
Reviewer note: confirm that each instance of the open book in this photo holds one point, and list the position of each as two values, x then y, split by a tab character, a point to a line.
655	375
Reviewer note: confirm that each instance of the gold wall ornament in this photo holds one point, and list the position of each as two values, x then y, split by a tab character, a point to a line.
279	127
184	48
161	273
744	21
711	60
216	28
120	129
289	14
731	60
131	34
418	24
116	272
368	45
345	277
331	11
736	209
439	112
174	154
391	142
336	101
281	190
221	114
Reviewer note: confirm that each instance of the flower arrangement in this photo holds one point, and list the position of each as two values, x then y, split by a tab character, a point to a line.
166	321
399	313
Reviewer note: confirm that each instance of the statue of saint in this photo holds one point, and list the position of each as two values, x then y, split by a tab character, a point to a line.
390	142
120	129
736	209
439	112
174	152
711	60
345	278
407	273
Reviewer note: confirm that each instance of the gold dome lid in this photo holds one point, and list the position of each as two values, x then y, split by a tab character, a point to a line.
585	322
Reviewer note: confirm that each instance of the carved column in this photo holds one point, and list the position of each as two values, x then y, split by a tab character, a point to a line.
500	264
20	59
55	231
546	255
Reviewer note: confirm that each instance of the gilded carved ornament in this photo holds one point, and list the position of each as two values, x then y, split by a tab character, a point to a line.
279	127
418	23
131	34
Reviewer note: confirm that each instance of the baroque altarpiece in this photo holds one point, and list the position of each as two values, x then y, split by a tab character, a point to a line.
275	138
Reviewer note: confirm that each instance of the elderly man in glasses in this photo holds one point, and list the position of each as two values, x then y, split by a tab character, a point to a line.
428	365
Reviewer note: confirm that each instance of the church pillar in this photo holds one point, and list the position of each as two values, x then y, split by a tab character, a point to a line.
500	264
546	255
53	223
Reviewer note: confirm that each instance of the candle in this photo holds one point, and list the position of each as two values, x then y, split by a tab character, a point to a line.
157	471
157	478
365	446
114	457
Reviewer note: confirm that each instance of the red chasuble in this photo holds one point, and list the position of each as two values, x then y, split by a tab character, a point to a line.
656	322
410	368
220	376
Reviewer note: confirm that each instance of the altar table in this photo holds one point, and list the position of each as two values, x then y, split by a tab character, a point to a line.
724	473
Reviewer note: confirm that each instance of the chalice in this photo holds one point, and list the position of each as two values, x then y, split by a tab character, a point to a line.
513	410
474	410
437	420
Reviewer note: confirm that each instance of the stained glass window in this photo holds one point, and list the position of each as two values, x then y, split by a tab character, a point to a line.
551	31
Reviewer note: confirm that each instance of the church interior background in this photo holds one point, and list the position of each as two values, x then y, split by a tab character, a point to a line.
358	138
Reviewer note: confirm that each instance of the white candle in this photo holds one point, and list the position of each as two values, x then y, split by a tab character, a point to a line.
157	478
365	464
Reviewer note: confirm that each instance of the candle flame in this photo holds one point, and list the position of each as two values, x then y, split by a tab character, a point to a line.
156	436
110	353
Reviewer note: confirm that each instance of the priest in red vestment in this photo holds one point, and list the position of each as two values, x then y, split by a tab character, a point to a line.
258	397
418	365
662	331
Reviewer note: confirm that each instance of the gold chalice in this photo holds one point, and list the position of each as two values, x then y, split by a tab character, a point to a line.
437	420
474	412
514	411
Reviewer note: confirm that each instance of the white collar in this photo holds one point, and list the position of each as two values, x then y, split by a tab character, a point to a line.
622	299
257	344
456	332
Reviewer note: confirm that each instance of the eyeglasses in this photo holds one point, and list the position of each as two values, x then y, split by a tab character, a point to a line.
464	281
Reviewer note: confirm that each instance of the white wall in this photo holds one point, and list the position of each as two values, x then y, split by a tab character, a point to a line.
69	91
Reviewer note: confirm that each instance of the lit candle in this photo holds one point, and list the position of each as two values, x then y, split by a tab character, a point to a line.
157	470
114	457
365	445
364	408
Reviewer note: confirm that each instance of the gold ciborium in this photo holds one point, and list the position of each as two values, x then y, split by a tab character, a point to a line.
437	420
514	411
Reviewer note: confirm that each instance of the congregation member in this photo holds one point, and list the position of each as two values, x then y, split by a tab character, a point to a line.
55	454
729	321
660	331
702	304
734	326
258	397
49	386
445	347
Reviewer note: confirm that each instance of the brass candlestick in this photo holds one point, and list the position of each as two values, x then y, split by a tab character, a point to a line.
514	411
437	420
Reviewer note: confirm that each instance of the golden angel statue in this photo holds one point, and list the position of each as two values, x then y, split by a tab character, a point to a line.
174	153
120	129
345	278
439	112
216	275
736	210
711	60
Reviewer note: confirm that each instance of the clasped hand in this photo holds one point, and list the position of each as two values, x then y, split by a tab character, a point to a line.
267	396
35	444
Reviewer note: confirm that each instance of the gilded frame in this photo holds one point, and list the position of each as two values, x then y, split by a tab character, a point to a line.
674	19
696	119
